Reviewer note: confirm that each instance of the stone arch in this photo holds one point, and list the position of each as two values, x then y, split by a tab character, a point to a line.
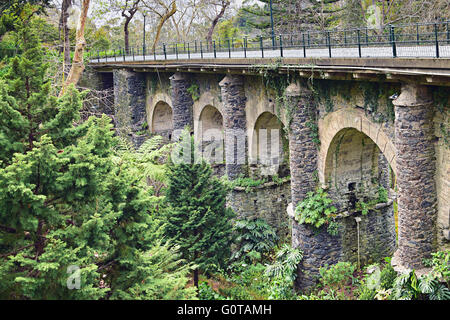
341	119
355	171
354	162
162	123
210	134
264	153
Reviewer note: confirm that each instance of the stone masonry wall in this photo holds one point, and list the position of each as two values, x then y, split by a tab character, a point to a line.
414	137
235	125
268	201
129	105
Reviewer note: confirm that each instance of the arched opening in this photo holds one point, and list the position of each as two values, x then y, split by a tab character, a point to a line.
162	120
360	181
211	136
269	153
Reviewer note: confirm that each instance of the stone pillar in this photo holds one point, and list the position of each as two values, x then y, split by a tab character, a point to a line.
235	125
129	105
181	103
414	143
319	248
302	149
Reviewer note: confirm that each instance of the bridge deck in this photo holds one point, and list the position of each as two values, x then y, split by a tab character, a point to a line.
371	67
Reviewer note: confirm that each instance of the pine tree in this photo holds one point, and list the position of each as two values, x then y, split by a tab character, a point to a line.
197	219
72	211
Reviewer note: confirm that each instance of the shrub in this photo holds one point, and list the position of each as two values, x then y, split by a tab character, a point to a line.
253	236
316	210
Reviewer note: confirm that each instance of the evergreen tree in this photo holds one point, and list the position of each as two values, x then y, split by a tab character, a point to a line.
77	220
197	219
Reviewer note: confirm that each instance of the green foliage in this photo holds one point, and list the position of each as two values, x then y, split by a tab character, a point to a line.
253	236
245	182
314	134
197	219
226	30
69	198
205	292
440	263
382	195
338	275
194	91
363	207
322	89
385	284
249	282
378	282
316	210
283	273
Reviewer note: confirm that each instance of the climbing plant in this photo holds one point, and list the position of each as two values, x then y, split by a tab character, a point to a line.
194	91
317	210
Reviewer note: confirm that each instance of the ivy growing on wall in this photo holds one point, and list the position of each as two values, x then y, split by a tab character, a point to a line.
194	91
373	93
441	96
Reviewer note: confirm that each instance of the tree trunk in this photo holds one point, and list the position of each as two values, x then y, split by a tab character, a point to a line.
215	21
196	278
126	34
64	31
161	23
77	67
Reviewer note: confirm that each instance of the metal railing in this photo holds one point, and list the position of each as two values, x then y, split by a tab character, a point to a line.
411	40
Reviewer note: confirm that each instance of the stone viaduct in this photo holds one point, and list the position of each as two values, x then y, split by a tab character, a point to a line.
351	126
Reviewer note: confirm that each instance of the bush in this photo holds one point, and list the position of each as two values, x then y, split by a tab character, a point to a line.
205	292
254	237
337	275
316	210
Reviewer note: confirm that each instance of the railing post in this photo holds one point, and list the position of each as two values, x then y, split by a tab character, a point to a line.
232	44
345	37
329	43
394	46
123	54
448	33
436	39
176	50
309	40
201	50
132	52
273	41
359	42
195	42
214	46
261	46
143	54
164	50
154	54
281	46
115	58
245	47
417	33
189	53
304	45
229	49
367	37
106	56
98	55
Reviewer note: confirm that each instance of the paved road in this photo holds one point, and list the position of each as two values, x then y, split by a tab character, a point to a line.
366	52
